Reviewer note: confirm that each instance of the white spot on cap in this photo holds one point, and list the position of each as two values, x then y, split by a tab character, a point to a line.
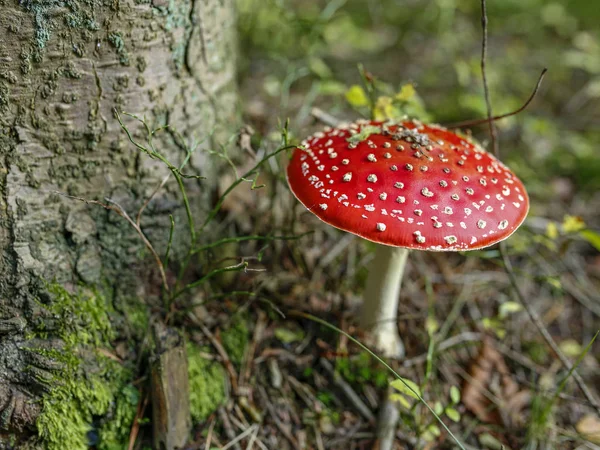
394	167
426	192
443	183
481	224
371	157
361	196
383	196
381	226
398	185
448	210
503	224
450	239
400	199
409	167
418	237
371	178
387	155
347	176
418	212
345	162
323	206
454	197
469	191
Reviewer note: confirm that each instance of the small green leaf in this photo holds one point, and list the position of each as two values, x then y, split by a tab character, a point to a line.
571	347
489	441
572	224
319	67
407	387
356	96
431	325
407	92
288	336
508	308
454	395
428	437
400	399
554	282
434	430
364	134
438	408
453	414
552	230
592	237
331	87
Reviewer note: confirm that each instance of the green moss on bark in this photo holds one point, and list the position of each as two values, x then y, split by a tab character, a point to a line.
88	383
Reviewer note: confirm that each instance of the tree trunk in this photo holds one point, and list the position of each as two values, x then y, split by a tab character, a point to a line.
65	65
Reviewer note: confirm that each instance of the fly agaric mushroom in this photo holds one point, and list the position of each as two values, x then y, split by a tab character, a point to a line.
404	185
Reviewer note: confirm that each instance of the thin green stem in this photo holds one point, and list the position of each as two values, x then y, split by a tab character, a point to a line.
249	238
209	275
154	154
171	229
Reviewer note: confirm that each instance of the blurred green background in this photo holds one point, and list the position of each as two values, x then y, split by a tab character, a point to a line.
296	54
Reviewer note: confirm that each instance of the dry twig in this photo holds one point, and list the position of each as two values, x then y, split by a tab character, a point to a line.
273	413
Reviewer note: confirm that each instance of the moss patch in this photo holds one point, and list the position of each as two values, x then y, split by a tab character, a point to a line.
362	369
88	384
207	384
235	339
114	432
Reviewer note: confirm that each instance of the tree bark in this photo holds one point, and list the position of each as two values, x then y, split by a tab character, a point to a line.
64	66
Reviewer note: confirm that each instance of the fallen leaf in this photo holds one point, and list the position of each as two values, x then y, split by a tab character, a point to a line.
490	393
589	428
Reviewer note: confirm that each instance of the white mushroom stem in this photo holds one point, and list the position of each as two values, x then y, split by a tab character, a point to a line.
380	307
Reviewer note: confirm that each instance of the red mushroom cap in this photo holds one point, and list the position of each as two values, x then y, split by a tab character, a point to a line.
407	185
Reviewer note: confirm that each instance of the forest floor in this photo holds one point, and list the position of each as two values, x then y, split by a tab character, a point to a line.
473	351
